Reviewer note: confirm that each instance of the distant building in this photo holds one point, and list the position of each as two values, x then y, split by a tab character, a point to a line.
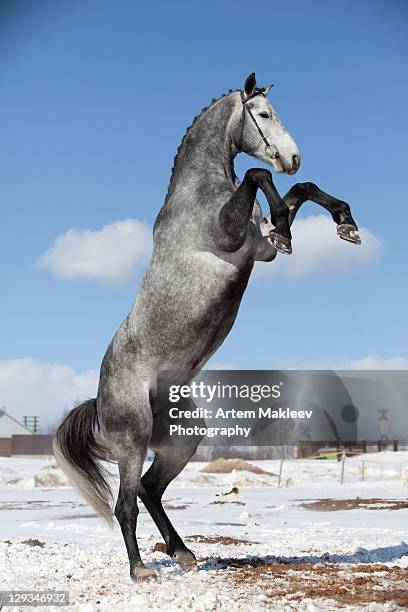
17	439
11	427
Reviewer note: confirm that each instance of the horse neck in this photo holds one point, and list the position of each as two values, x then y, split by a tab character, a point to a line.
208	148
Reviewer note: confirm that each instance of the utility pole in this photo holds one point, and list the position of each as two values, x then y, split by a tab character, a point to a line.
31	422
383	421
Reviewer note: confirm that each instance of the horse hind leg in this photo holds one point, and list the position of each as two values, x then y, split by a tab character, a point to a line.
126	512
171	456
128	430
165	467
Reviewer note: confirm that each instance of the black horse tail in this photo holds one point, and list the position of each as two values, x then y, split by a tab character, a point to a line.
79	453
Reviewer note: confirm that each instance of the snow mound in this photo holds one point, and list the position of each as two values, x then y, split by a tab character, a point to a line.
25	482
243	479
200	480
44	479
226	466
235	479
50	480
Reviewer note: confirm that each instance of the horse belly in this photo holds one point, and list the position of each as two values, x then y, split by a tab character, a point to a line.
186	307
215	292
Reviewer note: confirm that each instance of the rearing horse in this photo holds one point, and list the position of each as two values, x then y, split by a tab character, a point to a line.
207	237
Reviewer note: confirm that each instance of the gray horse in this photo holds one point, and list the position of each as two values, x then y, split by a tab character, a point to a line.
207	237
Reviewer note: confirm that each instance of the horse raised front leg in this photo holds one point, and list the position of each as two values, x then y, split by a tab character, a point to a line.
236	213
280	236
301	192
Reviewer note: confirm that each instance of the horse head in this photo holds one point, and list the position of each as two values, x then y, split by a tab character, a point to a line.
263	134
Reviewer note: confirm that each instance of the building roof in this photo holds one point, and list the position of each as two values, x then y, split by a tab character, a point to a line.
10	426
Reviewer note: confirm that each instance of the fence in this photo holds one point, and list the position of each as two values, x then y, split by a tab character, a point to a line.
352	467
26	445
5	447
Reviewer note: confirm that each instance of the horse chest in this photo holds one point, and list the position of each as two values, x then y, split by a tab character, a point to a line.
218	266
221	281
221	274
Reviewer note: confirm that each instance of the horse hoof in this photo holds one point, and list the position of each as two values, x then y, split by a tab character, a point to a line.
281	243
140	574
349	232
186	559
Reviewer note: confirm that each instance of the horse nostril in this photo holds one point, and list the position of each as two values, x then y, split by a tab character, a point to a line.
296	161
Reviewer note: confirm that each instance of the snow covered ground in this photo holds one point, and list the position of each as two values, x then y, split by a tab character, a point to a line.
258	549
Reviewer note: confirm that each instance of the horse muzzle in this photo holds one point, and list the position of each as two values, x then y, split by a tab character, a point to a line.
291	165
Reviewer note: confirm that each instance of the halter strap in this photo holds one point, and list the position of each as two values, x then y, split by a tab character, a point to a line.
276	153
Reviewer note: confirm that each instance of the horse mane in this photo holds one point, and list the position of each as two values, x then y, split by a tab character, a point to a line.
196	118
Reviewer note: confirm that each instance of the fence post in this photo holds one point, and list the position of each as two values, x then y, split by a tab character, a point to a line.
342	467
280	473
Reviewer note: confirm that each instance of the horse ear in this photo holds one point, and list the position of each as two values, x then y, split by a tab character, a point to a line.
250	85
267	89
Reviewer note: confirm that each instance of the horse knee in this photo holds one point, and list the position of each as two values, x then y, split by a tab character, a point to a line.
308	188
259	175
345	208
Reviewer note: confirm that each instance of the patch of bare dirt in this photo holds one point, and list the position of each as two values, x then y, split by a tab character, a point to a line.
218	540
160	547
34	542
34	504
373	503
72	517
174	506
226	466
347	585
232	501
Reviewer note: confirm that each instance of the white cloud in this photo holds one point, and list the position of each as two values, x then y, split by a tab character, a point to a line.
370	362
112	254
29	387
318	249
116	252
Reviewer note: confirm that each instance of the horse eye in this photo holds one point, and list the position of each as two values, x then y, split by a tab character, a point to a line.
264	115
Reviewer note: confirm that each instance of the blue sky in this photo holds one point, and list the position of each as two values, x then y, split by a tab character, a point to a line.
95	98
